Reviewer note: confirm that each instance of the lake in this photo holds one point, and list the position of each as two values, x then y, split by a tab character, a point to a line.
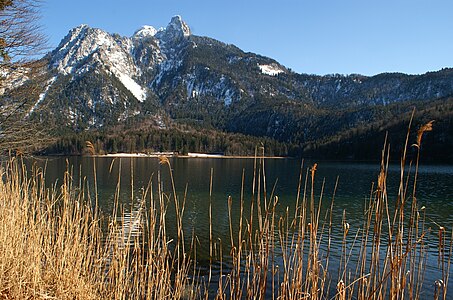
192	177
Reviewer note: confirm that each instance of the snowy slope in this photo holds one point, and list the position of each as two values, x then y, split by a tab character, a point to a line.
84	48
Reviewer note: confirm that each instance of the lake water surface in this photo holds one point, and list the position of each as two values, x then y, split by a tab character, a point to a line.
434	191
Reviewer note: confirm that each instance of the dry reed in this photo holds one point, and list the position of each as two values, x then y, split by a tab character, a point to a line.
53	245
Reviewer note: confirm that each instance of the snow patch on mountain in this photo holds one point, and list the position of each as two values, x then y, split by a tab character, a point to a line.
42	95
122	66
221	89
272	69
223	86
72	116
133	87
164	68
190	81
228	97
11	78
145	32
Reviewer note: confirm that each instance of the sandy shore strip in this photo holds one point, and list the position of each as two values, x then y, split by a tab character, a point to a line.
173	154
156	154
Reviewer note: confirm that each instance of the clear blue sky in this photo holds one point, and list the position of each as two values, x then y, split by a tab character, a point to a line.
315	37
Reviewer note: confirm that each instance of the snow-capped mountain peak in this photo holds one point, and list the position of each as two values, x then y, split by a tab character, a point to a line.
177	24
78	45
83	44
84	48
176	29
144	32
73	35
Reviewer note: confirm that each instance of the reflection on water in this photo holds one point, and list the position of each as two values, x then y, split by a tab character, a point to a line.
131	224
351	196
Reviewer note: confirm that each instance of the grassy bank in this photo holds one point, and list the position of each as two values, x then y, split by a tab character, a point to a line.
55	244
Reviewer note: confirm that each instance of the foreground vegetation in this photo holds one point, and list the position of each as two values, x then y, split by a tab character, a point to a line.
56	245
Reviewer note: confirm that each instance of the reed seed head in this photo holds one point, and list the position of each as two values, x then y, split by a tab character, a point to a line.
90	147
346	228
427	127
313	171
163	160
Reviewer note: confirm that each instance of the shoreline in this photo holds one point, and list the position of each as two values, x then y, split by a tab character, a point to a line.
188	155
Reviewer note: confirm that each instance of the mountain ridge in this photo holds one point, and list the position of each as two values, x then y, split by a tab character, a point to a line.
97	80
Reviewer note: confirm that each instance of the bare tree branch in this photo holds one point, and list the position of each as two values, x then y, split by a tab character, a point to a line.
21	80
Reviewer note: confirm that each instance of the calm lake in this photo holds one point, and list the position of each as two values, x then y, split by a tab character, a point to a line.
434	191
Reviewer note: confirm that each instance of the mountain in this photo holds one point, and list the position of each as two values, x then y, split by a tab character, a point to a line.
169	80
